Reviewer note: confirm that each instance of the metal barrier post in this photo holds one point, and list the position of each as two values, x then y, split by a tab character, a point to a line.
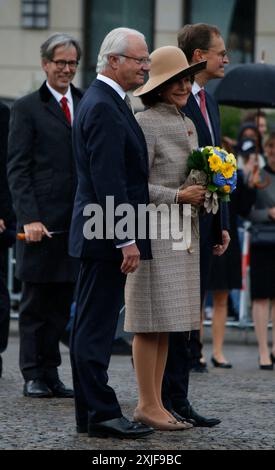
11	269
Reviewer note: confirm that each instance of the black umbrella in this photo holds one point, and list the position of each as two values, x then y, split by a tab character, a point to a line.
248	86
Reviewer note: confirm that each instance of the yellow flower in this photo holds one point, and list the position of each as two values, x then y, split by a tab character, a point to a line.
226	188
215	163
231	159
227	170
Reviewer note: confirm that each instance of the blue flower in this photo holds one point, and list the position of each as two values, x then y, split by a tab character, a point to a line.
220	154
219	179
232	181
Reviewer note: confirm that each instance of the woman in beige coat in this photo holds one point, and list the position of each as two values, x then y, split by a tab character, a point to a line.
163	295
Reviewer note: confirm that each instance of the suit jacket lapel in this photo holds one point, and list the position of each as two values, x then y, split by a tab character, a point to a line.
139	133
214	117
122	106
53	106
137	129
126	112
192	110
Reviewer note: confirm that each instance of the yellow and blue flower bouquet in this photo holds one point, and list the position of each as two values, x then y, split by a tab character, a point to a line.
218	170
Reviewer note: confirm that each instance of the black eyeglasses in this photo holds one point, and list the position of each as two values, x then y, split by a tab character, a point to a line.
61	64
138	60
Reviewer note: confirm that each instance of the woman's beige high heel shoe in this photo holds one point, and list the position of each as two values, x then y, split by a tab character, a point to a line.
161	425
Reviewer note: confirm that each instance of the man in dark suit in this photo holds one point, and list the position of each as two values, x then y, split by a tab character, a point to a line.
111	157
198	42
6	231
42	180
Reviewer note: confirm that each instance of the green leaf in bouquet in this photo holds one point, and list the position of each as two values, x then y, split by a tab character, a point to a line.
195	161
206	165
212	187
205	155
224	197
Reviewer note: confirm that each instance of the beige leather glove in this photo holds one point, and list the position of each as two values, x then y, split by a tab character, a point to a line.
211	203
195	177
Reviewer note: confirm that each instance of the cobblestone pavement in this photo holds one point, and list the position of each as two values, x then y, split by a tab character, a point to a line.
242	397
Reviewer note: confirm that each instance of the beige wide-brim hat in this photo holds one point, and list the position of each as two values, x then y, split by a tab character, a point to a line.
168	63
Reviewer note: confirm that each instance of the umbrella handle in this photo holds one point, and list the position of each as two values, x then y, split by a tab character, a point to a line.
21	236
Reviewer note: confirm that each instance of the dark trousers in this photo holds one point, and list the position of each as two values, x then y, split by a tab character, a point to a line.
176	377
184	349
99	296
205	265
4	303
43	315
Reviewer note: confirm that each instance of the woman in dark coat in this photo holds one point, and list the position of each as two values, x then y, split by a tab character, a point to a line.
226	270
262	260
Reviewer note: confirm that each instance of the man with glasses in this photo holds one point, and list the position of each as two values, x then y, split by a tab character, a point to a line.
199	42
42	180
112	160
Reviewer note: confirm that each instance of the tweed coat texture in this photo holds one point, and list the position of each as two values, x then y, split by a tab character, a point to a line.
163	294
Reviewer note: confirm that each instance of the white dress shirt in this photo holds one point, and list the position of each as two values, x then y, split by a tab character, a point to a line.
58	96
112	84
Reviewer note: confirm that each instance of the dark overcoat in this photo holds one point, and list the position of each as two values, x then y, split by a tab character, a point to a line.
7	238
5	198
42	179
112	160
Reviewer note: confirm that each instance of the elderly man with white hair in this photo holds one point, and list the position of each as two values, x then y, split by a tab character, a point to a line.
112	161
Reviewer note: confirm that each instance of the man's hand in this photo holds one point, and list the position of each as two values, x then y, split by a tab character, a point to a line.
219	250
131	257
2	226
35	232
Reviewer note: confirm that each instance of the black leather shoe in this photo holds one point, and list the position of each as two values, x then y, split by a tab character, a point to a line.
200	367
266	366
121	428
222	365
191	416
82	428
36	389
59	390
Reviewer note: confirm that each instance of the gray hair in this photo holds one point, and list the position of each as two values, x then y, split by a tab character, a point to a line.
58	40
116	42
